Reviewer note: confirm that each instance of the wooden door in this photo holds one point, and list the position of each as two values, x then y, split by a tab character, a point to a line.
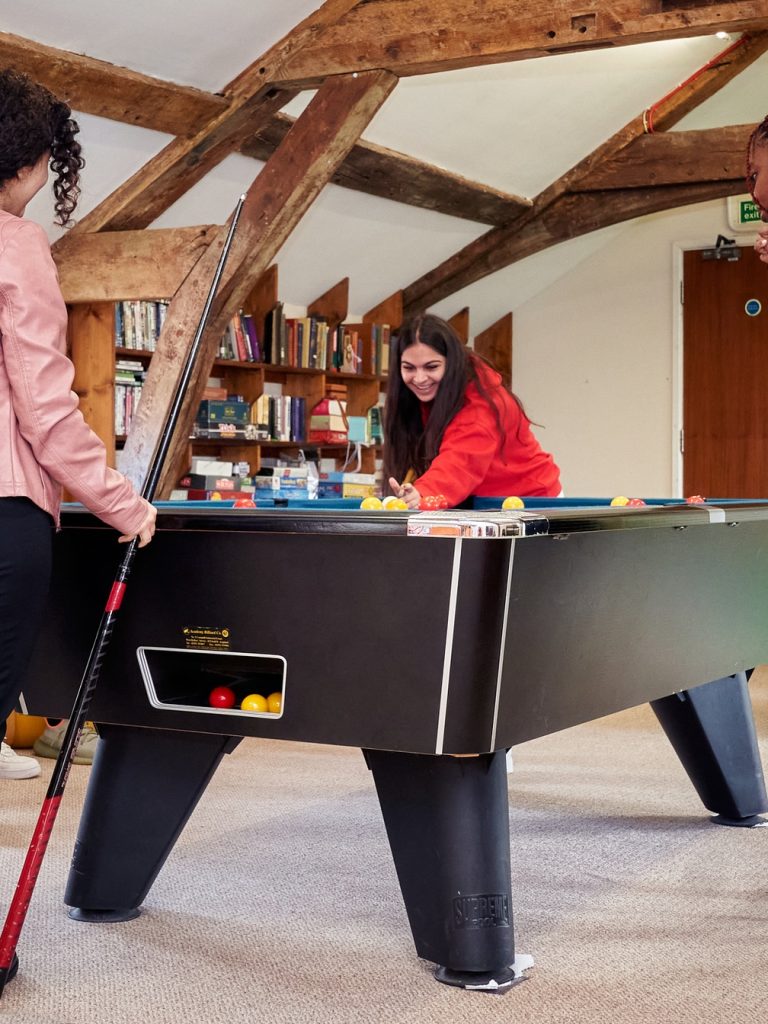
725	376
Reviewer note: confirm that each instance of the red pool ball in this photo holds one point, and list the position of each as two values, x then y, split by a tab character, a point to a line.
244	503
635	503
221	697
696	499
433	501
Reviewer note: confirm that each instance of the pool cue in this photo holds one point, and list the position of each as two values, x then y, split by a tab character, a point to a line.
45	822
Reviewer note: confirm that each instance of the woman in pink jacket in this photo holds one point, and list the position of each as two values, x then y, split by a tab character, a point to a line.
452	430
44	441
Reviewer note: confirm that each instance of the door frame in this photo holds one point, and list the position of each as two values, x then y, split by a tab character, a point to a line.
678	251
742	238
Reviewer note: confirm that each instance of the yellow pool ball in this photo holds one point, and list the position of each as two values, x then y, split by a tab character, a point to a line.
254	702
371	504
275	703
513	502
620	501
391	502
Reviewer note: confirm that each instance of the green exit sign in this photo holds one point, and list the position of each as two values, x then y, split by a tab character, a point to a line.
749	211
743	213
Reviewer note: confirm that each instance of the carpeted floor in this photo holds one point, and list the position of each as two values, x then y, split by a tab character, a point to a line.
280	903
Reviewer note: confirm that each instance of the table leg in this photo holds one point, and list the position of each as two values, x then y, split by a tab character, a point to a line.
713	732
447	820
144	785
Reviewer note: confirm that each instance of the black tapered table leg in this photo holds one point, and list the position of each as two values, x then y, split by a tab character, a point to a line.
713	732
447	819
144	785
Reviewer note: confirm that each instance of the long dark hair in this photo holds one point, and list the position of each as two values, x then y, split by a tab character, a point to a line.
408	443
759	137
32	122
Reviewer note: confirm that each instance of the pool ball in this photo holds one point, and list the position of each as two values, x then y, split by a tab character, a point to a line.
430	502
696	500
635	503
620	501
254	702
221	697
275	703
244	503
216	496
391	503
371	504
513	502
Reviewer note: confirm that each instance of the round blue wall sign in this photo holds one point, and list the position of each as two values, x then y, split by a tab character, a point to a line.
752	307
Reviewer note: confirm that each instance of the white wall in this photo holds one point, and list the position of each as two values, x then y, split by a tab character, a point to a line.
593	356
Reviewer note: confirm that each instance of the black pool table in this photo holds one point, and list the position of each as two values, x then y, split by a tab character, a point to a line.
505	626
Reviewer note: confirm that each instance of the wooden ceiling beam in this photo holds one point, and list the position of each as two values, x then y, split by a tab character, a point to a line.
147	264
410	37
674	158
276	201
108	90
251	101
95	87
567	217
382	172
706	81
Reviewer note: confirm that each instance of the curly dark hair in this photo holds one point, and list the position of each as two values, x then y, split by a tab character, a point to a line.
759	137
33	122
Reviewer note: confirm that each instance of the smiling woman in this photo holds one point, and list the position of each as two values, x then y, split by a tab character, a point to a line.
452	429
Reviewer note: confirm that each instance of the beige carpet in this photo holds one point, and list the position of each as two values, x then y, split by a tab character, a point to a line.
280	902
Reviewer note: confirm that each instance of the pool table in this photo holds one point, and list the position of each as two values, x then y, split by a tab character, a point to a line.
504	626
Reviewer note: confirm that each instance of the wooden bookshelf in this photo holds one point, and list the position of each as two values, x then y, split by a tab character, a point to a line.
333	304
460	323
94	353
495	345
90	325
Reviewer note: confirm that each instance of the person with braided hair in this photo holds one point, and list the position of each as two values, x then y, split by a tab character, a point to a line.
757	181
45	444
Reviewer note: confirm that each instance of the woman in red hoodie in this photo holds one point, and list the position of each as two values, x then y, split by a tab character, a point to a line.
452	430
44	441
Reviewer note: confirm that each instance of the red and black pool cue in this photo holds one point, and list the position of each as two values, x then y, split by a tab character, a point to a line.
33	862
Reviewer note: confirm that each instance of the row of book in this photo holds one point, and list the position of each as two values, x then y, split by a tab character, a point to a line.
304	342
280	417
138	323
241	340
129	377
309	342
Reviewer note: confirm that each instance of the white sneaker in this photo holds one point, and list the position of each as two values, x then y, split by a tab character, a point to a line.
15	766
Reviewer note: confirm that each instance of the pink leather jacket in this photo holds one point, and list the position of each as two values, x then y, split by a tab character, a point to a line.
44	441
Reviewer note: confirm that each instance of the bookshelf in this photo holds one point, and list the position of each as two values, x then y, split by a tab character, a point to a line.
92	333
249	379
495	345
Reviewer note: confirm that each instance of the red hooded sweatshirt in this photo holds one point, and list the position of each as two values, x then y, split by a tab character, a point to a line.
476	459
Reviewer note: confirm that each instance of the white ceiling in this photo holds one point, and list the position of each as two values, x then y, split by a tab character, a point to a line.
515	127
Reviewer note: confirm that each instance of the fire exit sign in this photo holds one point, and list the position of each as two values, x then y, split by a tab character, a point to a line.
743	213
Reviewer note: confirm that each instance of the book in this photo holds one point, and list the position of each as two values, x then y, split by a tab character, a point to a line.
211	412
249	327
206	482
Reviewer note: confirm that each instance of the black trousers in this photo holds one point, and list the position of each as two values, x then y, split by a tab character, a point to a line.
26	534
